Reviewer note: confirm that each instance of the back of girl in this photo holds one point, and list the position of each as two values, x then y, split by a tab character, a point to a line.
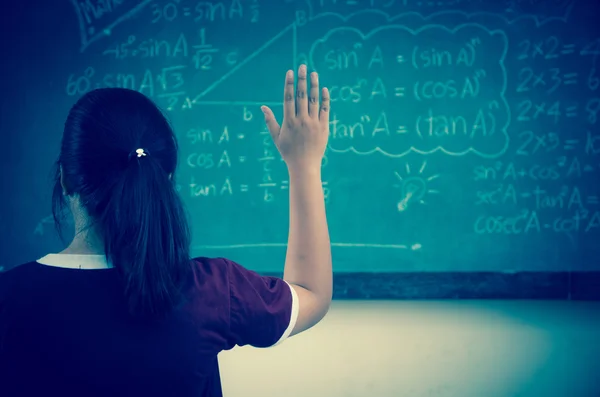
124	309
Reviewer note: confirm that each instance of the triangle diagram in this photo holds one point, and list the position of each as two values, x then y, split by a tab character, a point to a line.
258	78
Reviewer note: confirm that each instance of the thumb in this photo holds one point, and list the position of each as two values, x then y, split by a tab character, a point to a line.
272	124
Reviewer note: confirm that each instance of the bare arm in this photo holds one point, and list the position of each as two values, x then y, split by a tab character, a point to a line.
302	140
308	259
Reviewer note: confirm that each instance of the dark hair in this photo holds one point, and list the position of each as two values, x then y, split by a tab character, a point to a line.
131	201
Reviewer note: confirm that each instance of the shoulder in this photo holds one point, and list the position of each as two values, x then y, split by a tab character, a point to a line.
233	277
20	269
223	276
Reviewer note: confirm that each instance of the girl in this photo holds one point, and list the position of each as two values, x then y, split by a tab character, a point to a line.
123	310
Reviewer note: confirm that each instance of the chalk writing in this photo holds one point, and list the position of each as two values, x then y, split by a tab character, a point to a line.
150	48
149	82
483	124
567	197
465	55
205	11
527	110
548	48
562	168
481	130
530	222
224	188
550	80
469	87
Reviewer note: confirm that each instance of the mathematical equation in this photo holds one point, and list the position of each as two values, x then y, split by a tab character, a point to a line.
227	188
530	222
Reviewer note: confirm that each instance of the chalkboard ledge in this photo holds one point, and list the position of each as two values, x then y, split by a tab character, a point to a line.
467	285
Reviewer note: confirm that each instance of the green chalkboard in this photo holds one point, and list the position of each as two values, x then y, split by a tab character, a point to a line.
464	134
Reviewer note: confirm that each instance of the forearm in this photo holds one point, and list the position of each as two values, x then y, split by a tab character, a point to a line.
308	259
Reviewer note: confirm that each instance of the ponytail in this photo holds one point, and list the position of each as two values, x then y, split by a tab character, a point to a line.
146	236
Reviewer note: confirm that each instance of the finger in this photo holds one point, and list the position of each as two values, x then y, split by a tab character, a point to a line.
313	97
301	97
289	106
272	124
324	113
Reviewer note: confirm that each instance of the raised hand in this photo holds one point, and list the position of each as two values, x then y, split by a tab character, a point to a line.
302	136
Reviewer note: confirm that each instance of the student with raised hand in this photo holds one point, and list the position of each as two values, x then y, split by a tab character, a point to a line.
124	310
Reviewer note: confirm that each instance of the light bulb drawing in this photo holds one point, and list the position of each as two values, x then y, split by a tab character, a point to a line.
414	187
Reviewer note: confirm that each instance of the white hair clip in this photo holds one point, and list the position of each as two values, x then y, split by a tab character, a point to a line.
140	152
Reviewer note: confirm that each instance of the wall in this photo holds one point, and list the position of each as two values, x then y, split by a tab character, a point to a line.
425	348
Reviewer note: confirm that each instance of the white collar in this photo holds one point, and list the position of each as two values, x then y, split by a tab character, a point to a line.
71	261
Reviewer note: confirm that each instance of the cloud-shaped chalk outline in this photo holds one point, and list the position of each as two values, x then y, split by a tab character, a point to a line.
539	21
413	149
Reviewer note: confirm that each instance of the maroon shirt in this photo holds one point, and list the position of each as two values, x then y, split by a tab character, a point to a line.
65	331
